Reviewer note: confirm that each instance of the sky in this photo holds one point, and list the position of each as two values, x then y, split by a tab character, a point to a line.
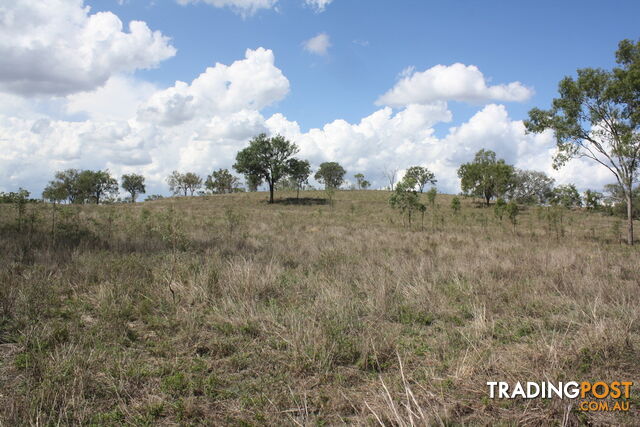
152	86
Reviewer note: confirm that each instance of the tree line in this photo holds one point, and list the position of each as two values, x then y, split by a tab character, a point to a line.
596	117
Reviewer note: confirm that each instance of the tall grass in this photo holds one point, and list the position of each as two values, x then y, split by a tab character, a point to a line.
227	310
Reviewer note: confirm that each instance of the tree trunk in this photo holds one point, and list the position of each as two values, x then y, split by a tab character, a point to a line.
270	192
629	217
298	193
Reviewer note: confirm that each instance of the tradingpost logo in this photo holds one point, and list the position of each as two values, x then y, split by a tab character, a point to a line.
592	394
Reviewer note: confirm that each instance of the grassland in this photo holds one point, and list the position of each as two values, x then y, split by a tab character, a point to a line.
225	310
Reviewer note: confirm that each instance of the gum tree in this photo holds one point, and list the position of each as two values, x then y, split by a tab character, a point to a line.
422	176
266	158
299	171
486	177
597	117
134	185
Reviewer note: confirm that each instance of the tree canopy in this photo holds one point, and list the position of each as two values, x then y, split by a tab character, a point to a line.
299	171
222	181
486	177
134	185
422	176
597	117
266	158
331	174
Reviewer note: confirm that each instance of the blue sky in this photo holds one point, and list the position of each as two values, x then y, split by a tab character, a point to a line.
536	43
81	88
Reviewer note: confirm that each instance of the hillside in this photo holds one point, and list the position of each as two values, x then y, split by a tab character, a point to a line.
227	310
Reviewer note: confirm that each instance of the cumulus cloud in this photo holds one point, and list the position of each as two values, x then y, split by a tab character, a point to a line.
118	99
457	82
57	47
201	125
252	83
242	7
318	5
318	45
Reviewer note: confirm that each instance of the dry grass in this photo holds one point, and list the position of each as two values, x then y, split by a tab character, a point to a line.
226	310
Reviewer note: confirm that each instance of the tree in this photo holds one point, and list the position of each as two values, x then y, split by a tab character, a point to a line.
567	196
618	202
499	208
597	117
405	198
431	196
299	171
94	185
422	176
486	177
390	174
266	158
191	182
221	181
134	185
331	174
455	205
67	182
360	181
512	212
55	192
592	199
531	187
176	183
252	182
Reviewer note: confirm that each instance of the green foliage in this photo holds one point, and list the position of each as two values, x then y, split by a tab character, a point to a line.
597	117
566	196
222	181
55	192
405	198
252	182
298	171
421	175
266	158
184	184
20	196
362	183
81	186
94	185
512	212
486	177
153	197
331	174
617	201
593	200
499	208
431	196
134	185
455	205
531	187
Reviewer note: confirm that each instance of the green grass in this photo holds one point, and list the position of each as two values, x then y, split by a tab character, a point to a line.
226	310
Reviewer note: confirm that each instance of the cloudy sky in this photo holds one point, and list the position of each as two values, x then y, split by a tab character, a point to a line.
151	86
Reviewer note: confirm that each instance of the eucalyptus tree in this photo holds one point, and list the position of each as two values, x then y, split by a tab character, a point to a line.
422	176
597	117
266	158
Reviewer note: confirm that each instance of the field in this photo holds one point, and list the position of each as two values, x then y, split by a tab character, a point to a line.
226	310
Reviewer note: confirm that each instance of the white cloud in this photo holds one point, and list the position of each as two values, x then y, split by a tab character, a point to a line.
118	99
252	83
318	45
318	5
457	82
201	125
242	7
56	47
